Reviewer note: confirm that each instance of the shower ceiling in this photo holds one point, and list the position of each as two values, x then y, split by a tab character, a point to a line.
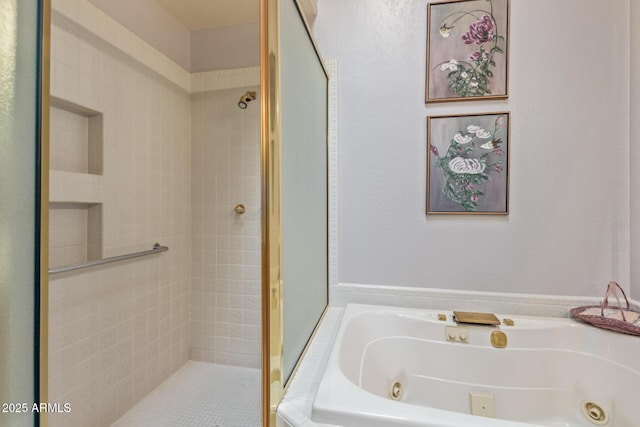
206	14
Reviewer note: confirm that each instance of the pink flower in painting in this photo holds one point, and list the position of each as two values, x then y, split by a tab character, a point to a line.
434	150
480	31
474	199
476	56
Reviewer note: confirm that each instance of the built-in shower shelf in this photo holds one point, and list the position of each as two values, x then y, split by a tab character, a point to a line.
75	232
75	178
76	138
72	187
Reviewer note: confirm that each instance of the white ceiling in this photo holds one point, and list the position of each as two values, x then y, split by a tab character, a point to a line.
205	14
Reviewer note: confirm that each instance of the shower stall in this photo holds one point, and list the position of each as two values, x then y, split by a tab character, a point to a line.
144	152
156	223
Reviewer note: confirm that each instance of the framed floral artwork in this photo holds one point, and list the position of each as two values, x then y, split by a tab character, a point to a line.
468	164
467	50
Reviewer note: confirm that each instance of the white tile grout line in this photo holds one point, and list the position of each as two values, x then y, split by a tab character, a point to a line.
511	303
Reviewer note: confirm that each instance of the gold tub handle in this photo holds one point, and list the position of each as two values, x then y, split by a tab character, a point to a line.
498	339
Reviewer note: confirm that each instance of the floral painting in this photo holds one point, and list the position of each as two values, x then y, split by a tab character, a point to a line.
467	50
467	164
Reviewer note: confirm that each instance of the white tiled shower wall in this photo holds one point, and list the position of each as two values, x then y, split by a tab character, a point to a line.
118	331
226	245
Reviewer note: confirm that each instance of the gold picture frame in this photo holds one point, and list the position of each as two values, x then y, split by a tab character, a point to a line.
467	50
468	164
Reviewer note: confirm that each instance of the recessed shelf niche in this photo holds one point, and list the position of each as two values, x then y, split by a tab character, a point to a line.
75	233
76	138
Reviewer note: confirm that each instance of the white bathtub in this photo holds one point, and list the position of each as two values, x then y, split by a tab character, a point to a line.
545	375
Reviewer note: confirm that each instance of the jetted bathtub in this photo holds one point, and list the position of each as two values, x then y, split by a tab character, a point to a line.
404	367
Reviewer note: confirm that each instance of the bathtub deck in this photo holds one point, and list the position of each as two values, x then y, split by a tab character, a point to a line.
201	395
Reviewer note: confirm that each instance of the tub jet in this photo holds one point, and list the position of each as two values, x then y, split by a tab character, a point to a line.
396	390
595	413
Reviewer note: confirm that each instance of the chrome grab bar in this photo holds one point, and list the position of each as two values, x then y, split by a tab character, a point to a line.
156	249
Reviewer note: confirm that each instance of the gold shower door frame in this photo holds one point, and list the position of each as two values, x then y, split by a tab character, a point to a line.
270	152
43	318
273	382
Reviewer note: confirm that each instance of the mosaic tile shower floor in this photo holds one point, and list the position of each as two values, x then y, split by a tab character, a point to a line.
201	395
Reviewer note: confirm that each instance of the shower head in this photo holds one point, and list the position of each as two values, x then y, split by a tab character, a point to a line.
247	97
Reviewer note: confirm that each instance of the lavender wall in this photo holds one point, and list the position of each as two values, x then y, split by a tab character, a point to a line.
237	46
635	153
568	228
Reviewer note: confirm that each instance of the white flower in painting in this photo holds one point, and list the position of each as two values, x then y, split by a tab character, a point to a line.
464	75
478	131
494	144
451	65
462	139
445	31
483	134
468	166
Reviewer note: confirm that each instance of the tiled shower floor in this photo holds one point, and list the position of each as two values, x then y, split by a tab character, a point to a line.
201	395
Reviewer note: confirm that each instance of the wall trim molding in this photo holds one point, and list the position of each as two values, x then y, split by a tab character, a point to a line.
332	68
433	298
